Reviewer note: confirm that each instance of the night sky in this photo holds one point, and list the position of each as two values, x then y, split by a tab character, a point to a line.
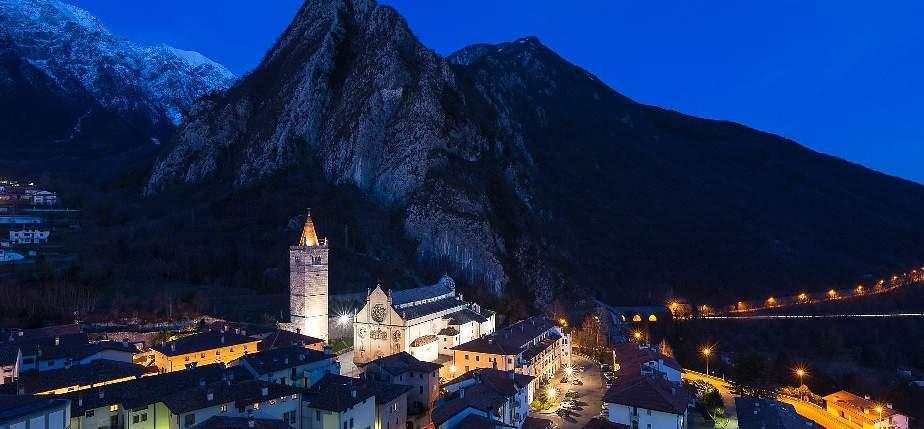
841	77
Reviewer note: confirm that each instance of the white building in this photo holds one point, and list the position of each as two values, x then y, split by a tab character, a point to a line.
29	236
44	198
34	412
425	322
257	399
338	402
864	413
648	402
499	396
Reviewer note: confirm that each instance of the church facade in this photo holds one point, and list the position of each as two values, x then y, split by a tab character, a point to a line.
425	322
308	284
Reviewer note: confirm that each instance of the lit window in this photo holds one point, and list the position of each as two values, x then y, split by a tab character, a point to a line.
256	405
223	408
295	396
114	407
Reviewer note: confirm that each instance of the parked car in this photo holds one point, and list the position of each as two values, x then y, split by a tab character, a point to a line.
606	367
577	382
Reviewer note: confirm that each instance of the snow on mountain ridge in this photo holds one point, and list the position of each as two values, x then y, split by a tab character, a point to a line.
74	49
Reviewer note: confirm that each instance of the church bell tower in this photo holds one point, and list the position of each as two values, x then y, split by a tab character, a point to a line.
308	285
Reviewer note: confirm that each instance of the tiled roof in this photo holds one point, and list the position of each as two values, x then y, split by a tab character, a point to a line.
494	387
855	405
464	316
241	394
415	311
335	393
449	332
631	357
543	345
768	414
602	423
283	338
407	296
201	342
36	333
287	357
308	237
53	347
475	421
151	389
404	362
505	382
424	340
653	393
510	340
15	406
446	410
94	372
219	422
8	354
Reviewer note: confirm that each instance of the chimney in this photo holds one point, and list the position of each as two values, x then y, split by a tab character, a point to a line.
889	405
210	396
201	382
461	393
353	393
866	396
172	347
298	331
222	338
102	394
264	391
286	360
490	340
57	341
301	357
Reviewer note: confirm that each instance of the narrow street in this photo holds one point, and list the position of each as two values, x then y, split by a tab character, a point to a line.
728	398
590	396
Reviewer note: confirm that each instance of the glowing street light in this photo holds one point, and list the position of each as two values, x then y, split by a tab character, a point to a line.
801	373
452	369
569	370
706	352
832	293
771	301
879	410
637	335
551	392
860	290
803	296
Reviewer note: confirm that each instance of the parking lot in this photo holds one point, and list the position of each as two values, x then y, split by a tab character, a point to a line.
589	396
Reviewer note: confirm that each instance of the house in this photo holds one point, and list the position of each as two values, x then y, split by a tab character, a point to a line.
423	377
10	362
756	413
34	412
425	322
44	198
862	412
292	366
29	236
338	402
46	354
500	396
94	374
535	346
633	359
281	338
251	398
140	403
648	402
201	349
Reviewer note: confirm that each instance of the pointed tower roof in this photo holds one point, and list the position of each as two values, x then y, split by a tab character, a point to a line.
309	237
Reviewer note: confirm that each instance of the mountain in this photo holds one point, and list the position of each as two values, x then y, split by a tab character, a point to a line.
69	86
524	174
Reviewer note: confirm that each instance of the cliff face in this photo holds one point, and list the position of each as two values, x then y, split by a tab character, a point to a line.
515	167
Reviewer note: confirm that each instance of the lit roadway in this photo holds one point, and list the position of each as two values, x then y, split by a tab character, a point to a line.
728	398
812	316
590	396
814	413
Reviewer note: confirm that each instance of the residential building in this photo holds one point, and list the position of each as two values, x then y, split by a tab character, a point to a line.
251	398
422	377
281	338
41	353
221	422
497	395
139	404
864	413
633	359
648	402
29	236
10	362
338	402
201	349
308	284
78	377
756	413
44	198
292	366
535	346
425	322
34	412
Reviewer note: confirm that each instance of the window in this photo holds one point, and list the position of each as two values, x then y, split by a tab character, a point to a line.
256	405
394	406
344	425
420	389
189	420
90	413
136	419
217	352
649	412
289	417
144	417
223	408
477	358
202	355
114	407
351	423
317	415
186	358
466	357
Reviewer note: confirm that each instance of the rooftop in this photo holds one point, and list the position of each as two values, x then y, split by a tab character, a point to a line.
602	423
336	393
16	406
492	389
860	407
768	414
445	286
510	340
649	392
241	394
98	371
219	422
283	338
201	342
309	237
274	360
466	315
403	362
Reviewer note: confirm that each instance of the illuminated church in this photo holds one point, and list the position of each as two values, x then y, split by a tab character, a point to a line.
308	284
425	322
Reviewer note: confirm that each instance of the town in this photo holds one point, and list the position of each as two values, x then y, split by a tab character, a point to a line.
33	225
415	358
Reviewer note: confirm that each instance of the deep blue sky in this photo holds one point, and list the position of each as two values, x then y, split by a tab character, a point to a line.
841	77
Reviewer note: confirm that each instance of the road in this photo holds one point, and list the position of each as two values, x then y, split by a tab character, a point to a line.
814	413
728	398
590	396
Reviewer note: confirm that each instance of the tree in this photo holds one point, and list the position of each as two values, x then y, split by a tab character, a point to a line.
751	376
665	348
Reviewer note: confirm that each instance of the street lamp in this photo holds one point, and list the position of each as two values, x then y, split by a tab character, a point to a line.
706	352
879	410
801	373
551	392
638	336
568	371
